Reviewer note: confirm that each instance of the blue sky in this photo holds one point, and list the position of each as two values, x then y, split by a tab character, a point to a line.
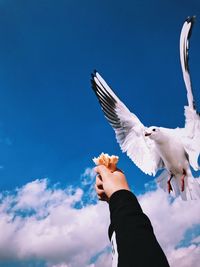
51	124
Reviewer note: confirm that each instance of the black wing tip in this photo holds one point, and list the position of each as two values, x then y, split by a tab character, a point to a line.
93	85
94	73
191	19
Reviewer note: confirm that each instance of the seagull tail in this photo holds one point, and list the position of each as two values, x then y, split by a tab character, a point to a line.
192	186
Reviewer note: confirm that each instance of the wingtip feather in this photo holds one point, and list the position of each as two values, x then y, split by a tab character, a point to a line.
93	74
191	19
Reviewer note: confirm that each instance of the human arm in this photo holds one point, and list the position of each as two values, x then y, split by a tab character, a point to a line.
130	231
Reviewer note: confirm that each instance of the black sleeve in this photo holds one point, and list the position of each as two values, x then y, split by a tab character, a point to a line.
135	241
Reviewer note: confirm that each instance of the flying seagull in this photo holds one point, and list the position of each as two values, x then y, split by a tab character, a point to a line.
154	148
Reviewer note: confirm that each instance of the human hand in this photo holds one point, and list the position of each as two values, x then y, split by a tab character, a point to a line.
108	182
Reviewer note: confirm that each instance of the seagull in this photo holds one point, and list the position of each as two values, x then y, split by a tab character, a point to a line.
174	151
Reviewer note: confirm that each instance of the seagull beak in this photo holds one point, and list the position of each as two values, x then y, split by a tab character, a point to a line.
147	134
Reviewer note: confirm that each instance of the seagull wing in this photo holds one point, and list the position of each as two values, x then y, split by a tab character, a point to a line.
128	128
191	132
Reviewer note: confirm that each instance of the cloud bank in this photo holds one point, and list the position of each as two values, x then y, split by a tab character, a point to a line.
67	227
52	224
176	225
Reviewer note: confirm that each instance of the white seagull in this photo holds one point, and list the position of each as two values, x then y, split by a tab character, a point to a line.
154	148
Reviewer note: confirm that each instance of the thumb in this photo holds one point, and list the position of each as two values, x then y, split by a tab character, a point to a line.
103	171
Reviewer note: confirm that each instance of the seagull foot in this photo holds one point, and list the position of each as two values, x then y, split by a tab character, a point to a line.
183	181
169	186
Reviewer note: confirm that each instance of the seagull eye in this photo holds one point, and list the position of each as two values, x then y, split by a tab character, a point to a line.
154	130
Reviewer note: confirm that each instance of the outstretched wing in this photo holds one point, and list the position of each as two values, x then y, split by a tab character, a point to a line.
191	136
128	128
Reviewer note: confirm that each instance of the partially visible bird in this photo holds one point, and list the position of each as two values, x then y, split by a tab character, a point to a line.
154	148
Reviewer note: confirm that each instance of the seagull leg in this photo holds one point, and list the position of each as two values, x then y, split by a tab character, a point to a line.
169	186
183	181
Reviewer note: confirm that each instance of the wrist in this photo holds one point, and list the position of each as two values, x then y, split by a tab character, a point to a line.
125	188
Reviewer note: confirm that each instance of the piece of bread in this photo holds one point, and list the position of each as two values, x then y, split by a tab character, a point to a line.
108	161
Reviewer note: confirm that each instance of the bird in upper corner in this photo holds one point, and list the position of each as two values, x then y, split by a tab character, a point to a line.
154	148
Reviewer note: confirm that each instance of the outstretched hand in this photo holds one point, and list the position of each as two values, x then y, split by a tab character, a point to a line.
108	182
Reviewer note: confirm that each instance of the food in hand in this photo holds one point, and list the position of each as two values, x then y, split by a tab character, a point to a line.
108	161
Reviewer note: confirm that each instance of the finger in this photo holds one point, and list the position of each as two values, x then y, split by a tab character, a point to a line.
101	194
118	170
103	198
99	181
100	186
102	171
112	167
99	191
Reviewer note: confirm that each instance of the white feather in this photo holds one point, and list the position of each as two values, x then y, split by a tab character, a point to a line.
190	135
167	148
130	135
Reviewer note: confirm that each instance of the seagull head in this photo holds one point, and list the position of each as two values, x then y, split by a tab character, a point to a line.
153	132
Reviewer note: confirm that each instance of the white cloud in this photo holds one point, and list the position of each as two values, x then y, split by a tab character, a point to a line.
185	256
68	228
171	220
88	176
43	223
103	260
196	240
60	265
